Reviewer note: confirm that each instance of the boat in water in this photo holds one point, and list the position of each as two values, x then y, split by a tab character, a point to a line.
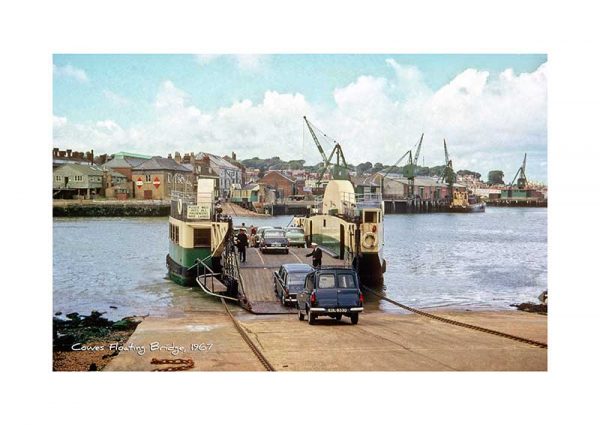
350	227
465	203
197	234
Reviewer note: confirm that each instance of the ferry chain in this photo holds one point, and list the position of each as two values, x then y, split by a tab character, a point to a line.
457	323
246	338
187	364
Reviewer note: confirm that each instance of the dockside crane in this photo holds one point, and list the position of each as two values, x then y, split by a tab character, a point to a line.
448	175
412	165
522	178
409	154
340	168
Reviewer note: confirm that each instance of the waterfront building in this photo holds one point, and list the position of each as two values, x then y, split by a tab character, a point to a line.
84	181
283	185
229	174
426	188
156	177
246	195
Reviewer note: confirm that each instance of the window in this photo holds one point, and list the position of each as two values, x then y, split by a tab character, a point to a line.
201	237
370	217
310	282
148	178
346	281
57	178
324	223
327	281
174	233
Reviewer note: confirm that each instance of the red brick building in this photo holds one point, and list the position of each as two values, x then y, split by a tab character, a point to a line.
283	185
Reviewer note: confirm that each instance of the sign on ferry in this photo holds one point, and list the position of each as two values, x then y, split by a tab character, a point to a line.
200	211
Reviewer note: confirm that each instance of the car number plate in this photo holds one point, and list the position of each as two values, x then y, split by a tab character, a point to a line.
337	310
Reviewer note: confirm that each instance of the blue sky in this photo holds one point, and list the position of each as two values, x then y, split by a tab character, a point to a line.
119	94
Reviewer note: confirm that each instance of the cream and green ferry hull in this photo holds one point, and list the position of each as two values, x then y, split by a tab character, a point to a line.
184	252
357	242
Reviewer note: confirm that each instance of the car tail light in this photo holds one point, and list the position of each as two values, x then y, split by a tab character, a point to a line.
361	298
313	298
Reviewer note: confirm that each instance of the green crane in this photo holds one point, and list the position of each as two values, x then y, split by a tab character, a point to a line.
448	174
522	180
340	168
411	169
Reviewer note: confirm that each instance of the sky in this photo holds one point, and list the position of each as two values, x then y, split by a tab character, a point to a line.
490	109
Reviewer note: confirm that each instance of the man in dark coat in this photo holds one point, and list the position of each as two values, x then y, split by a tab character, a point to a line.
242	243
316	254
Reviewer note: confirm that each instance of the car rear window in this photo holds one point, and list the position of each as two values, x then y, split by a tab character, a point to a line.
327	281
296	278
346	281
271	234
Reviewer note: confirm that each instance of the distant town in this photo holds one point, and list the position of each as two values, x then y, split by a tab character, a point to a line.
254	183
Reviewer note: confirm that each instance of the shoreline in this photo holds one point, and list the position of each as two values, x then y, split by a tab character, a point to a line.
381	341
88	343
123	347
132	208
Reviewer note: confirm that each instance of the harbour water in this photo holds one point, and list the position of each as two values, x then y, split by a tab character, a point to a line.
463	261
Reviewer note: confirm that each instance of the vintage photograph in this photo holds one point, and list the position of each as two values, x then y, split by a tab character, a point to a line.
299	212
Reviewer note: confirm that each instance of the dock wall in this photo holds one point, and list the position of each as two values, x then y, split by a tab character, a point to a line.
126	209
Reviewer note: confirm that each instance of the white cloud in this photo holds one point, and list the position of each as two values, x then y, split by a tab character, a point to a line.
70	71
247	63
489	121
116	98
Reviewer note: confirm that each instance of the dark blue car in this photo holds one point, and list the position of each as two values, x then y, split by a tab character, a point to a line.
332	292
288	281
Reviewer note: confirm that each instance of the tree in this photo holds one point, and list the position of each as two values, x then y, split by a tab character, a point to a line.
377	167
496	177
469	173
363	168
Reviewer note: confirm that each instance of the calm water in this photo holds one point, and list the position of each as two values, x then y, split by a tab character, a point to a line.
468	261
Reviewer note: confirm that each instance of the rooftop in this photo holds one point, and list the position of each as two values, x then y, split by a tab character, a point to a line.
160	163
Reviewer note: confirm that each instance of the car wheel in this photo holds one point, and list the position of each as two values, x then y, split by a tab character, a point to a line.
300	315
311	318
354	318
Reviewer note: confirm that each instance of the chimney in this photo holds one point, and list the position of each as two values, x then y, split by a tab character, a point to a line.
170	156
61	154
55	152
233	156
178	157
92	157
69	151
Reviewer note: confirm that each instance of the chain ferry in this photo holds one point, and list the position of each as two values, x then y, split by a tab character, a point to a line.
197	234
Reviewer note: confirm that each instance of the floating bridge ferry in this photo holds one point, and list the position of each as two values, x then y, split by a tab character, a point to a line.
350	227
197	234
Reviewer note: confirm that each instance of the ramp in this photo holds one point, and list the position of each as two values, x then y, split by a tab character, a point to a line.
257	277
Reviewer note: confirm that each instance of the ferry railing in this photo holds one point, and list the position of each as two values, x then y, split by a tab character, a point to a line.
203	280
